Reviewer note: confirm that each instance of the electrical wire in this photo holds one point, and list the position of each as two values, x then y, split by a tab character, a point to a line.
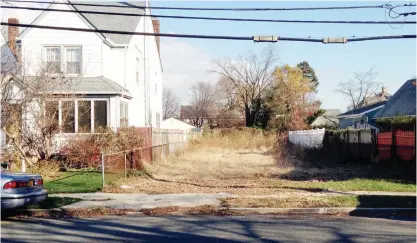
212	18
279	38
206	9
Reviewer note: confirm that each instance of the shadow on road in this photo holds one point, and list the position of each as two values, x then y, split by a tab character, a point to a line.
203	229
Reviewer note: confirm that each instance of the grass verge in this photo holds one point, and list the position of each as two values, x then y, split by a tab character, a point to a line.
54	202
75	182
322	201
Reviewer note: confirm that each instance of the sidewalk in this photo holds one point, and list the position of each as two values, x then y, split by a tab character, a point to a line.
136	201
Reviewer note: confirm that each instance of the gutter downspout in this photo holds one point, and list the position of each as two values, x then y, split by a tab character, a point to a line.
125	68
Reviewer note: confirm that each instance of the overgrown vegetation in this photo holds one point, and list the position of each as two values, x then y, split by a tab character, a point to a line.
398	122
251	161
84	151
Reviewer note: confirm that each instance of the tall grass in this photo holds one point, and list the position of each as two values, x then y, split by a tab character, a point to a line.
236	138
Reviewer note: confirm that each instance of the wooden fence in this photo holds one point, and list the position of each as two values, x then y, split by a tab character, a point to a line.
397	144
360	144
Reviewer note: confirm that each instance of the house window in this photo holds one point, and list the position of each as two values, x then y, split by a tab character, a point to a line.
137	70
84	116
100	113
52	113
53	59
124	114
65	59
73	60
68	116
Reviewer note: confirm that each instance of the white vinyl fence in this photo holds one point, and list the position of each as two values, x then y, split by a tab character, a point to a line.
307	138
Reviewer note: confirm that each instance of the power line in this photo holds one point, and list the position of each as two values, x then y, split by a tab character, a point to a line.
212	9
213	18
253	38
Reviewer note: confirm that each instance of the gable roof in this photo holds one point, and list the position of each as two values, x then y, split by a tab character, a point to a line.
402	103
328	118
364	109
179	121
8	60
109	22
113	22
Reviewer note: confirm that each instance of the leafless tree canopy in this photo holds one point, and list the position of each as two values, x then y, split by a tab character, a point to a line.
29	111
202	103
246	80
362	86
170	104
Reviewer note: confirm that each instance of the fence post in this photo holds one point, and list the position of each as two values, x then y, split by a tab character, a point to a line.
125	157
23	164
102	168
131	159
359	145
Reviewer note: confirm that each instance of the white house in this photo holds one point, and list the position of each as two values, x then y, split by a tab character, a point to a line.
119	77
174	123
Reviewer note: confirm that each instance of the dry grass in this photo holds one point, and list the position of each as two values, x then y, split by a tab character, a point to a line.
292	202
245	162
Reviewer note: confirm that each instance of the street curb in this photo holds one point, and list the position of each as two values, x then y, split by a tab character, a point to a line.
319	211
284	211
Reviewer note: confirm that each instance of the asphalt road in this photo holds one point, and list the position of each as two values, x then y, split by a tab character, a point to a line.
256	228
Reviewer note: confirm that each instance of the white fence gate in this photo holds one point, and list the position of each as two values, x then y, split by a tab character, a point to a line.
307	138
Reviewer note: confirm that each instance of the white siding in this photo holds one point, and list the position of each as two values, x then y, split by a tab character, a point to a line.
99	59
35	39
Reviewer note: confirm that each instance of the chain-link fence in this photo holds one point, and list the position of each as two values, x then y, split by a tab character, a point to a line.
157	144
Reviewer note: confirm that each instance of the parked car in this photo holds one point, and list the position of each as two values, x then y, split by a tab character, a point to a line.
20	189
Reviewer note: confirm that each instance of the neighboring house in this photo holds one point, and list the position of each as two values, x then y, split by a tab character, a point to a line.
378	97
402	103
360	117
118	76
174	123
328	119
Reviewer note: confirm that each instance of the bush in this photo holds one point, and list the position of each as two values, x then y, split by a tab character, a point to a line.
47	169
84	152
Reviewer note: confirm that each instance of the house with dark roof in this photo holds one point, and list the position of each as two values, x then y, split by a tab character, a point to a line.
122	73
361	117
327	119
402	103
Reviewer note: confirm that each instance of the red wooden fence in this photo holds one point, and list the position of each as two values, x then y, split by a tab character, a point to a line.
402	144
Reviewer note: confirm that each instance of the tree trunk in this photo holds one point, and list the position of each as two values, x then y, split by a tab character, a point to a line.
249	117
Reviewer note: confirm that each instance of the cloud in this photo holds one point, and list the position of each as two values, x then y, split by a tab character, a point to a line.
184	65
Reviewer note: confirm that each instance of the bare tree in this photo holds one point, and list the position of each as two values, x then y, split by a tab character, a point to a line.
247	79
170	104
202	103
362	86
30	115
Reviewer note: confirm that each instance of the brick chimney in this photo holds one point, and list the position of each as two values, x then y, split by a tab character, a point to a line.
156	25
12	33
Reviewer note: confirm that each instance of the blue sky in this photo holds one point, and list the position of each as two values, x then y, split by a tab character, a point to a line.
394	60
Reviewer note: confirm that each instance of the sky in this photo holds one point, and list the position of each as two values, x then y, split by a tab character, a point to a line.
187	61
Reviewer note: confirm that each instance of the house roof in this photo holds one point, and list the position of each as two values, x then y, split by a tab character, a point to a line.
178	120
402	103
114	22
381	96
84	85
364	109
329	118
8	61
109	22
